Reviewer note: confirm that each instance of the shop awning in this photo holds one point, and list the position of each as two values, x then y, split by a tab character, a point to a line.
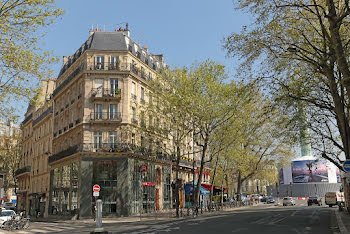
189	189
208	186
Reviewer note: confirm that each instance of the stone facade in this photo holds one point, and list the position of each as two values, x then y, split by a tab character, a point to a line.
96	135
33	174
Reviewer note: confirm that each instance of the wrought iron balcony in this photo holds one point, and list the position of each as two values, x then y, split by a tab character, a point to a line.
103	93
113	147
100	116
22	170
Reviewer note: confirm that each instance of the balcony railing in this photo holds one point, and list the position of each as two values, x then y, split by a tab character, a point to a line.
106	93
22	170
106	66
112	116
110	148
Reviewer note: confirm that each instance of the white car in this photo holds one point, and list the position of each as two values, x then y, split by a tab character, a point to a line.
288	201
6	215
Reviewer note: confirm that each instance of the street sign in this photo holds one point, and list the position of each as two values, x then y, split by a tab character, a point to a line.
346	165
96	194
143	168
96	188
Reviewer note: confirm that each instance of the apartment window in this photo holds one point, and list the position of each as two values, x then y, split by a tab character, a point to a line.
133	139
150	76
97	140
98	111
142	141
133	90
99	62
143	74
150	119
113	86
113	111
150	99
142	118
133	113
113	139
142	94
113	62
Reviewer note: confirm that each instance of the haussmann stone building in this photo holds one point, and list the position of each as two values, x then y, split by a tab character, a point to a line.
94	137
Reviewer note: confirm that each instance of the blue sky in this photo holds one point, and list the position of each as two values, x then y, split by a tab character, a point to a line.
185	31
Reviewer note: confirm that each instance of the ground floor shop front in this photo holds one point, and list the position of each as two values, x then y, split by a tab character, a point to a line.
128	186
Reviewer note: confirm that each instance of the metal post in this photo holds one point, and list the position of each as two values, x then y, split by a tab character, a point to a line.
99	228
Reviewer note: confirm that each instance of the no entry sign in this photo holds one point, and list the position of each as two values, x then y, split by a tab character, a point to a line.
96	188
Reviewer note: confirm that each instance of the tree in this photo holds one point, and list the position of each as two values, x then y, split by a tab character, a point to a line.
23	64
212	102
301	49
261	142
170	90
10	152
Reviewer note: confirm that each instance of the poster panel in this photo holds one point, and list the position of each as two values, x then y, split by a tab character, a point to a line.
309	171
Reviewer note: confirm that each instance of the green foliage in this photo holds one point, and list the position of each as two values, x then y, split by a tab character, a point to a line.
299	50
10	152
23	64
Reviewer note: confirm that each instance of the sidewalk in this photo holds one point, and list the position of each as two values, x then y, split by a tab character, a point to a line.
343	220
159	216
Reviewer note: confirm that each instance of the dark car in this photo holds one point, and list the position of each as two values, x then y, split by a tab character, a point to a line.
270	200
314	200
263	199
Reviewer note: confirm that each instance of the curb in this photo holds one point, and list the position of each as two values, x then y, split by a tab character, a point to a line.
341	225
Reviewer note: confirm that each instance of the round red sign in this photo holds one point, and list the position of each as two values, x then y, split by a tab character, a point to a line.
96	188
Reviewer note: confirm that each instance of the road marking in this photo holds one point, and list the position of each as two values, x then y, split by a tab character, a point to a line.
294	213
240	229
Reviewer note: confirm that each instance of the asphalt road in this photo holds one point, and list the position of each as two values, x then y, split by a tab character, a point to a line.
262	219
299	219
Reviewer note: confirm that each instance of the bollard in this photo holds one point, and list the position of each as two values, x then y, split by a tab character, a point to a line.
99	228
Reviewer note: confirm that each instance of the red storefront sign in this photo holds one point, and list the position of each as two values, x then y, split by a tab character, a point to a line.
143	168
148	183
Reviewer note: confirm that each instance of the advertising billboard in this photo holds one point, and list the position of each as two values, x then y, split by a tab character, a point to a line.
309	171
280	176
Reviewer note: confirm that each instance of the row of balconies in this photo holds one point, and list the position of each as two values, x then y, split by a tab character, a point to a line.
122	67
106	66
111	148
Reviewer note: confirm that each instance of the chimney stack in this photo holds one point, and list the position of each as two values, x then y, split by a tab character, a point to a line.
91	32
159	57
65	59
145	48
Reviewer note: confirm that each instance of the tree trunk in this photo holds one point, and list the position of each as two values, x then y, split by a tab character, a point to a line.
212	184
199	182
239	186
177	204
226	179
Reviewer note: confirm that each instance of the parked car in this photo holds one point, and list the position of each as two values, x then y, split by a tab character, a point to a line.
9	206
270	200
314	200
263	199
6	215
288	201
340	198
330	198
